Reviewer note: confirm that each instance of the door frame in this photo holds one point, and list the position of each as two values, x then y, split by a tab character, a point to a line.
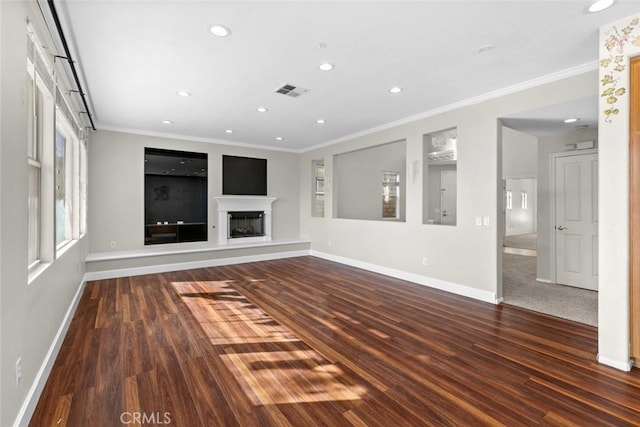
634	206
552	204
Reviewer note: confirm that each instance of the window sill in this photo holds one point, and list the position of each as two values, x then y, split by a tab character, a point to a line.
36	270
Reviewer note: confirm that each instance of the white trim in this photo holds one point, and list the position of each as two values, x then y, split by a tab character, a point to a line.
618	364
33	395
164	268
451	287
538	279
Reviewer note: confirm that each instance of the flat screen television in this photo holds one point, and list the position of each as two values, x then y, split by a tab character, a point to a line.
244	176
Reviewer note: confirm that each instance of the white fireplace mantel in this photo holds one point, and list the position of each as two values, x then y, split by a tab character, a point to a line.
228	204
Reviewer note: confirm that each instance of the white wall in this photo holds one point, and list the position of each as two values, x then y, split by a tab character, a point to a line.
30	314
613	229
116	183
466	254
519	154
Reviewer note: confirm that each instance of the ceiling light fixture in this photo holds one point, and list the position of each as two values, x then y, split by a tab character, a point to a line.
571	120
183	93
167	122
395	89
220	30
262	109
320	121
326	66
229	131
600	5
279	138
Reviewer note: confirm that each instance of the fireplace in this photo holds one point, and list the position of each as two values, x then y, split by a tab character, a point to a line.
244	219
245	224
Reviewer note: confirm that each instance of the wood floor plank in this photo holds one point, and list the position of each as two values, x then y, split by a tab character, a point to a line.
308	342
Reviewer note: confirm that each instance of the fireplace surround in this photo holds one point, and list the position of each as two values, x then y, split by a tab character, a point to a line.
244	219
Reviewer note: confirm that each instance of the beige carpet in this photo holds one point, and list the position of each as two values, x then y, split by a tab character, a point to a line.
521	241
520	288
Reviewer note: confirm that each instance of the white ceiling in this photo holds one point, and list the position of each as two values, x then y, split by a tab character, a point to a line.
133	56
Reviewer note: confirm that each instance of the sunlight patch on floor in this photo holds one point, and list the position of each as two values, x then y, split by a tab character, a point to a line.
272	364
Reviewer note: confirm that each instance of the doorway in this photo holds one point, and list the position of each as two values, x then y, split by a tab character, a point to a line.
529	254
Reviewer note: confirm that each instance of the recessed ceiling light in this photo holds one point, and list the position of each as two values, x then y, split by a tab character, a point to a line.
279	138
229	131
167	122
320	121
326	66
220	30
183	93
571	120
395	89
600	5
262	109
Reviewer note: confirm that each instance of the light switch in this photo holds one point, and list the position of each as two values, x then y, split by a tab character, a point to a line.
485	220
478	220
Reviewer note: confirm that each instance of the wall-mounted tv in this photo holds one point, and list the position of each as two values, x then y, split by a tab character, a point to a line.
244	176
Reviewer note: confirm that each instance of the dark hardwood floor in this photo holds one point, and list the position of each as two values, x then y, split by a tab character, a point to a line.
308	342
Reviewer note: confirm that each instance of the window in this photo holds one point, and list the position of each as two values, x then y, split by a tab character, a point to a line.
82	188
391	195
62	203
34	155
317	209
39	143
509	199
56	160
524	200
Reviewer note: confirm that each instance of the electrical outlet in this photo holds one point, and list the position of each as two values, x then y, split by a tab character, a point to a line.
113	243
425	260
18	370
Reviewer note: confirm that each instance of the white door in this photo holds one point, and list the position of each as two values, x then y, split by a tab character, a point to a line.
448	197
576	220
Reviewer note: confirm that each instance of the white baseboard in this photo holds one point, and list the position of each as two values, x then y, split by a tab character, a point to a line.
33	395
164	268
443	285
618	364
543	280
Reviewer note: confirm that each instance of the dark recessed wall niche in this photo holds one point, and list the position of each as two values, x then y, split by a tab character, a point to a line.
175	196
244	176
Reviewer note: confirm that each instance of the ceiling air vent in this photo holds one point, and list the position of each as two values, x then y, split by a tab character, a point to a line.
291	90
